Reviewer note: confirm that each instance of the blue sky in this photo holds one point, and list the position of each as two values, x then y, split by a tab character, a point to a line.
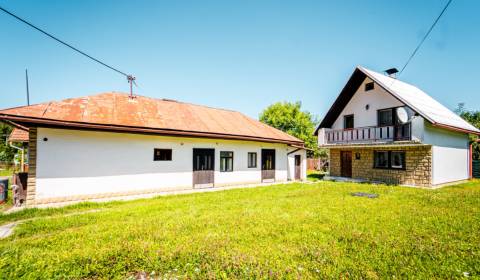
241	55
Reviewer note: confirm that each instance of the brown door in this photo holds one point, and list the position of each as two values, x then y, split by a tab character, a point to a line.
298	165
268	164
346	164
203	167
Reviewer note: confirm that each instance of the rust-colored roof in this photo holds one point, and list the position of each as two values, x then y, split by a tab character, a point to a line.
118	111
18	135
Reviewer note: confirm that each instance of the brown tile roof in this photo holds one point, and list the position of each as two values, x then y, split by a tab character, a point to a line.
18	135
116	111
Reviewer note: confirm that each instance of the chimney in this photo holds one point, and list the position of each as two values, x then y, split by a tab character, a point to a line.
392	72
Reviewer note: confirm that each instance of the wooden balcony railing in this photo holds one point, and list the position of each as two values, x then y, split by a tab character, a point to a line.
369	134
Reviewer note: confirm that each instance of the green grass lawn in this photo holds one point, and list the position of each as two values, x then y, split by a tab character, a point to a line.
285	231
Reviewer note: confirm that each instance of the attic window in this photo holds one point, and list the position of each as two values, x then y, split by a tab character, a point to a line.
369	86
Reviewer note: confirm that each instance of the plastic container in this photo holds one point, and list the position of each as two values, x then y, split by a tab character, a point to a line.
3	189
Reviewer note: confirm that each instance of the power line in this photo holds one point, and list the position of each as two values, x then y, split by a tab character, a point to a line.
130	78
425	37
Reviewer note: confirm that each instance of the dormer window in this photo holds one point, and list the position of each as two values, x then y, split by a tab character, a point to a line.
369	86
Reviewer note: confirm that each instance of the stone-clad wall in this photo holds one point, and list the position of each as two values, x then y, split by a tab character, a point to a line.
418	169
32	166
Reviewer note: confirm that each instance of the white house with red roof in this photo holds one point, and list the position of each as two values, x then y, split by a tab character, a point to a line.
114	145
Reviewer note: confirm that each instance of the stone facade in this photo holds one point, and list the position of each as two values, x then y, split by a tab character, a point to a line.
32	166
417	172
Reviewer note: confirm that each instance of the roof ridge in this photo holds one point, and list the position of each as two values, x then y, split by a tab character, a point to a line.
188	103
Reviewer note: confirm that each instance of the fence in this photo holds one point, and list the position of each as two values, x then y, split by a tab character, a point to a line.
6	165
11	166
316	164
476	169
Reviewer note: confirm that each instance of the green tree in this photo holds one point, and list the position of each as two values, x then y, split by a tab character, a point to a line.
473	117
289	117
6	152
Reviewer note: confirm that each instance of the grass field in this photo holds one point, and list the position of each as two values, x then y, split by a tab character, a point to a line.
286	231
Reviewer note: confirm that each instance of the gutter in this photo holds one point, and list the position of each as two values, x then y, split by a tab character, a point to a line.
22	151
456	128
298	149
144	130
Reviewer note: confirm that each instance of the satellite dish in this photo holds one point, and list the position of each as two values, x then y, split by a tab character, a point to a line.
402	115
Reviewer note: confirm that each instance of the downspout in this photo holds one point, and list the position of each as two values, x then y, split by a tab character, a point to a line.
19	149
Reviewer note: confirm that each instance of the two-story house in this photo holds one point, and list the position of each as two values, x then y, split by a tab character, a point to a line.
382	129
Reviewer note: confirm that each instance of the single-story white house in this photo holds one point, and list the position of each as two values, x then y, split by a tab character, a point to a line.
112	145
382	129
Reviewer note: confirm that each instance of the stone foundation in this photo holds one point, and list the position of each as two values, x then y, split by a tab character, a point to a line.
417	172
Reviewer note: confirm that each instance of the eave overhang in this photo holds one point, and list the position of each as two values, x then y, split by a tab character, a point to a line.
31	121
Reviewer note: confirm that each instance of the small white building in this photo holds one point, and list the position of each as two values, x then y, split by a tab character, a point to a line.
112	145
382	129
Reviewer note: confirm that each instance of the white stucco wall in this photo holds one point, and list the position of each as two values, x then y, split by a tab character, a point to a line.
376	99
450	154
76	162
291	164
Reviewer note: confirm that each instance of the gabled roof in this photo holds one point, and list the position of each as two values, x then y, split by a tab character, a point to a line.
119	112
18	135
413	97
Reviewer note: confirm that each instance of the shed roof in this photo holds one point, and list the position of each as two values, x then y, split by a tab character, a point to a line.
117	111
18	135
410	95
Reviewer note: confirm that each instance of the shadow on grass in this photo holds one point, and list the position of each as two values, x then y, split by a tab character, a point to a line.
315	176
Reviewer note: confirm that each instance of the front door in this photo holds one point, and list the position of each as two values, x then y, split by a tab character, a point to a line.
346	164
268	164
203	168
298	165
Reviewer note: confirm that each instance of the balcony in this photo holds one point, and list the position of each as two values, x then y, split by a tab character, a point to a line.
365	135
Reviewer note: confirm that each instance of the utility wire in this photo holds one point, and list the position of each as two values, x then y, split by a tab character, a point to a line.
66	44
425	37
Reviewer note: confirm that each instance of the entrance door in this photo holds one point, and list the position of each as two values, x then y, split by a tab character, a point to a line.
203	168
346	164
268	164
298	165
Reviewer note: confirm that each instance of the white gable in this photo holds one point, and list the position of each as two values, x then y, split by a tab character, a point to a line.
419	101
376	99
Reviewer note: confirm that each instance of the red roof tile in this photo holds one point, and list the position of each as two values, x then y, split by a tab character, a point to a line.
119	110
18	135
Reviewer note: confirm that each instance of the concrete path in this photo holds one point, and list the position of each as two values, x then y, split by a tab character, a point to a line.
7	229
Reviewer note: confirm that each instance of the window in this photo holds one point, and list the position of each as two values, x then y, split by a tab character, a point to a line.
381	159
348	122
162	154
369	86
389	159
226	161
385	117
252	160
397	160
